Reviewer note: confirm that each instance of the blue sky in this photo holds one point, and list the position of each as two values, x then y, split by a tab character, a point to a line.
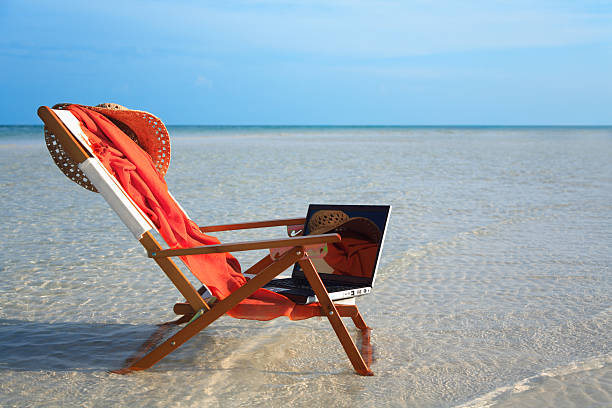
435	62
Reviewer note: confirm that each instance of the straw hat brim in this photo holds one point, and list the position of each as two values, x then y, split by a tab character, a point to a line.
147	130
360	225
151	133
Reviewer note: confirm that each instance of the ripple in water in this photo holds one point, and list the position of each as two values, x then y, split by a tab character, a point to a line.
493	290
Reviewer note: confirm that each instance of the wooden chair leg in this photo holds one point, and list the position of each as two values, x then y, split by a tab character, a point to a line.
352	312
366	344
218	310
330	311
359	322
367	351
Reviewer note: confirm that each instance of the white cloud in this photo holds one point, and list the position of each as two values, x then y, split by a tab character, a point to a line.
202	81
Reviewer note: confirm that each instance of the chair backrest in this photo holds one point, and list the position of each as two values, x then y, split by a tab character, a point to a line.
67	129
106	184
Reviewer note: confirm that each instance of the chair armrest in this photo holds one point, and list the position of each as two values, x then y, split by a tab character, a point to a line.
248	246
255	224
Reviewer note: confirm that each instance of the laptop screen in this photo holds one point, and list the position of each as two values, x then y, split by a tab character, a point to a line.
355	258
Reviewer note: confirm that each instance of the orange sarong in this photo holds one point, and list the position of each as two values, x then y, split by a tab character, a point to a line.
134	170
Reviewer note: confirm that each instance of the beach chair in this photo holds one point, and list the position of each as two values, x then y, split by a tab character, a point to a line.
66	138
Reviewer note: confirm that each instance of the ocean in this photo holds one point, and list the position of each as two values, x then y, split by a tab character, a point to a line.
494	287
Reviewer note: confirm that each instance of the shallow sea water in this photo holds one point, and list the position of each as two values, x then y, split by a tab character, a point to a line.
494	287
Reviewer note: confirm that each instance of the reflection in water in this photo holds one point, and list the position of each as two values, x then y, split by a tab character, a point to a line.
352	256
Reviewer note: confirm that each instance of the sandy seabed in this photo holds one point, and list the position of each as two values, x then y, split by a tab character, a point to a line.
493	289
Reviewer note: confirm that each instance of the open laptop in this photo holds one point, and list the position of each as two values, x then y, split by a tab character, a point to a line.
347	268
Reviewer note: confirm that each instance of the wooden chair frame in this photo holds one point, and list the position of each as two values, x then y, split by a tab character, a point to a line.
195	311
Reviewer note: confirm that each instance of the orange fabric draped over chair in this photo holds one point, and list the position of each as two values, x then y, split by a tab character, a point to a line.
134	170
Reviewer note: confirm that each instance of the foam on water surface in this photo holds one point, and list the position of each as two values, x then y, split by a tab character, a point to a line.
580	383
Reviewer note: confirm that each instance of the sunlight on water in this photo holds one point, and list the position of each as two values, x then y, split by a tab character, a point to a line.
493	289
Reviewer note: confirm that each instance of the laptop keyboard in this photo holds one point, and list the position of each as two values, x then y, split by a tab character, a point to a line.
290	284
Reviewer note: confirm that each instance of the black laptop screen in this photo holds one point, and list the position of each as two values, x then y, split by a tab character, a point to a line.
355	258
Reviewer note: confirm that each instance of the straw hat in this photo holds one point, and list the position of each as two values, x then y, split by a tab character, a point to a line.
324	221
145	129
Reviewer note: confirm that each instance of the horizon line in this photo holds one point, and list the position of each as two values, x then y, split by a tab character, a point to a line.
367	126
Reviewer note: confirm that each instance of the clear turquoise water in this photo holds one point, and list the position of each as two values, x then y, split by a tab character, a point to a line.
494	288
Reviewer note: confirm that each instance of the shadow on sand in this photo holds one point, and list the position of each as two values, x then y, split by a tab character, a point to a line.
79	346
70	346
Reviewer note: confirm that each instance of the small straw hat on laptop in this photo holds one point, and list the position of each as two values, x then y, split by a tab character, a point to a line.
147	130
